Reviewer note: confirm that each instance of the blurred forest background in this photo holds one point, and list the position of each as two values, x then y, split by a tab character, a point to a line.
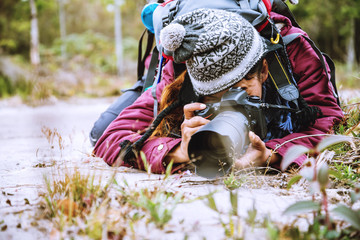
62	48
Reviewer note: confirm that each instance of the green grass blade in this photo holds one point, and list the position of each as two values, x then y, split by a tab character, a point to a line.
293	180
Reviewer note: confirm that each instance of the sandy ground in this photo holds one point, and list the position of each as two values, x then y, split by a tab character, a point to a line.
26	156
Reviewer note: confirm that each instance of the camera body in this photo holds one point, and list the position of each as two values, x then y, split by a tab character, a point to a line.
236	99
215	146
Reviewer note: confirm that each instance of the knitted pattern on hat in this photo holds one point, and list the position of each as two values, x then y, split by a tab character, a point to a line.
223	49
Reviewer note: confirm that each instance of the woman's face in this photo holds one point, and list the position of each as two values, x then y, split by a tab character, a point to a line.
252	84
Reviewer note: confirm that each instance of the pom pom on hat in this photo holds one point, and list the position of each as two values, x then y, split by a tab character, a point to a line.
172	36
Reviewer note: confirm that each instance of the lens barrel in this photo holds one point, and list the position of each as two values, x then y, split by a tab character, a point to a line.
215	146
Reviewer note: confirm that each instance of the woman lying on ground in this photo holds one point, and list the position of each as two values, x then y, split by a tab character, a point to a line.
222	50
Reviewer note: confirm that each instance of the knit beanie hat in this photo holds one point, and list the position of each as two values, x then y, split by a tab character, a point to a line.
218	46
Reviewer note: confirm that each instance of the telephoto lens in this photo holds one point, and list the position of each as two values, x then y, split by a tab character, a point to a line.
216	145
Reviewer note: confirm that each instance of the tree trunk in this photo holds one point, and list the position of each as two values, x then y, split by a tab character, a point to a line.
351	48
118	37
357	39
34	34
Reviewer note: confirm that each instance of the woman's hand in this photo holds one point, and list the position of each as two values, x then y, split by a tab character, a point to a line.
190	125
256	154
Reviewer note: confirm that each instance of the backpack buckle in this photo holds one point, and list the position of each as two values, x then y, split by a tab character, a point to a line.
276	41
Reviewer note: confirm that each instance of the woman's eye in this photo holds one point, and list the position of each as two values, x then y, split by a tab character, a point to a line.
248	77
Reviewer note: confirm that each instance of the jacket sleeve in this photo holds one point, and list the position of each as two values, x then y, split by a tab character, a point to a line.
131	124
316	89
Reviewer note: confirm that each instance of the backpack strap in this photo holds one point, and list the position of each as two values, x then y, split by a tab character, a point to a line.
156	81
152	69
291	37
282	78
142	59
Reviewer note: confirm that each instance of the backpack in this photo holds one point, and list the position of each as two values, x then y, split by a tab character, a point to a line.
155	16
257	13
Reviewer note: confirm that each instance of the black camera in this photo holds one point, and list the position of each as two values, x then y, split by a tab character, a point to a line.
214	147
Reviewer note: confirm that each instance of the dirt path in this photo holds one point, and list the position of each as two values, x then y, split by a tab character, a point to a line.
26	156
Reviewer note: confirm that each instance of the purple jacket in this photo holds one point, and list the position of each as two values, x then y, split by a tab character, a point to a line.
312	83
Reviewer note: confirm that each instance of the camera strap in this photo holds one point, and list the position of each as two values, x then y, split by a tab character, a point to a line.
281	78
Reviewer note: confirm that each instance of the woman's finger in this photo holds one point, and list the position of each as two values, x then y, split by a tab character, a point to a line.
188	132
256	141
191	107
195	122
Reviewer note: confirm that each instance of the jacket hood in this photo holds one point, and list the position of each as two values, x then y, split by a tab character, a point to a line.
277	18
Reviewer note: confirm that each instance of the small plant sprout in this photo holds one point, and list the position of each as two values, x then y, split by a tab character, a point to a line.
233	228
296	151
231	182
147	166
316	171
156	203
72	198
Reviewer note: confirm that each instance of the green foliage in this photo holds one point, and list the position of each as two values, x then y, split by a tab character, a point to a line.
231	224
327	22
302	207
10	88
231	182
14	26
73	195
130	47
350	123
89	50
252	214
332	140
169	168
160	206
210	202
6	88
345	173
347	77
156	202
273	232
293	180
315	231
349	215
317	173
81	17
93	51
296	151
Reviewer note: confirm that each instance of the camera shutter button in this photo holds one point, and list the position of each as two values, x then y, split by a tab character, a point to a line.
254	99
